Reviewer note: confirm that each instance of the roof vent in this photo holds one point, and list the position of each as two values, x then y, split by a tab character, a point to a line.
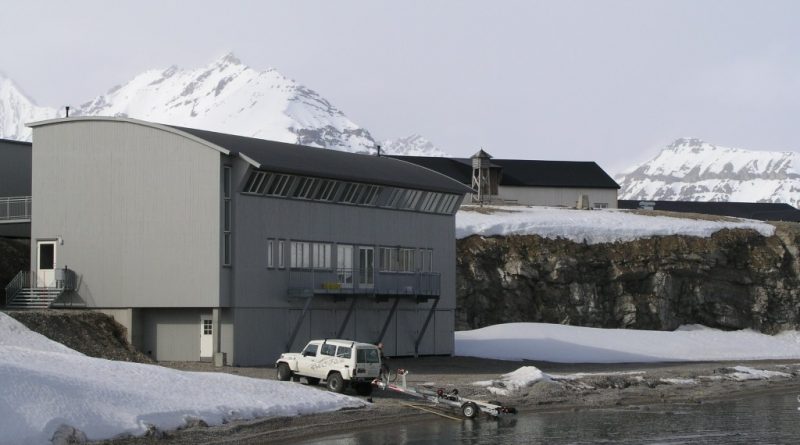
67	111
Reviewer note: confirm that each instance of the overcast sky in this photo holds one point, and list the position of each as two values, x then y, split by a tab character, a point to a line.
609	81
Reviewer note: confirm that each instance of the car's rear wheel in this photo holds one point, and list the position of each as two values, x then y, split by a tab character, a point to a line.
336	382
312	381
284	373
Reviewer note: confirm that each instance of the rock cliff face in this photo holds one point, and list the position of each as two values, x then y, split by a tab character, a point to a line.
735	279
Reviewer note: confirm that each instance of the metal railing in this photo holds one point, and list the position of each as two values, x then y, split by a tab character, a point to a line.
15	207
354	281
63	279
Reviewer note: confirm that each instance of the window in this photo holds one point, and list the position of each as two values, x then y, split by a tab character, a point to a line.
394	197
327	349
368	195
447	204
344	265
327	190
406	260
305	188
427	260
600	205
270	253
300	255
280	254
280	185
388	259
351	193
310	351
257	182
343	351
367	356
207	327
226	216
410	199
321	255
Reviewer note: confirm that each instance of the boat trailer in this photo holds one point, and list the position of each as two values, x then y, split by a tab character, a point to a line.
469	407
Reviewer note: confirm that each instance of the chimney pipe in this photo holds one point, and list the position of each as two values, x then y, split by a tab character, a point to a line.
67	110
379	150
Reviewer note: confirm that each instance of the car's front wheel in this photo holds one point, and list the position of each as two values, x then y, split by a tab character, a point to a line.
336	382
284	373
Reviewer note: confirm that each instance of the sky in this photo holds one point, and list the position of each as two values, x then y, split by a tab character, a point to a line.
608	81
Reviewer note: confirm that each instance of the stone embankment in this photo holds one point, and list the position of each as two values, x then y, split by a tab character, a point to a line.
735	279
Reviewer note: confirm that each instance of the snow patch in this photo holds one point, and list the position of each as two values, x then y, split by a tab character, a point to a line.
59	392
514	381
574	344
744	373
588	226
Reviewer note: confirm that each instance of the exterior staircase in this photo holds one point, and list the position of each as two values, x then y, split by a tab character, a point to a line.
34	298
25	292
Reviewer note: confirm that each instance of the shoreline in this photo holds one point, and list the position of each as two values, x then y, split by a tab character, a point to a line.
574	387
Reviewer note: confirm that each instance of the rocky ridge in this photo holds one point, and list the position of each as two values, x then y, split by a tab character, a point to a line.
736	279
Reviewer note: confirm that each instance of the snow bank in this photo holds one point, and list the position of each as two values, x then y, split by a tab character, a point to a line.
45	385
745	373
590	226
572	344
514	381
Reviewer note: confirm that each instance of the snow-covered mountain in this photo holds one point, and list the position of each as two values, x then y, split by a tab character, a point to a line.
694	170
16	109
414	145
225	96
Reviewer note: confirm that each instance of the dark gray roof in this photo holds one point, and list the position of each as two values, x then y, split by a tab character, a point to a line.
526	173
764	211
11	141
325	163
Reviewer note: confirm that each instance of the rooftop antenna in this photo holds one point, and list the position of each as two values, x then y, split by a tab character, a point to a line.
67	111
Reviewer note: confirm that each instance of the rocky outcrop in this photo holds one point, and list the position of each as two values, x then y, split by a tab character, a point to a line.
735	279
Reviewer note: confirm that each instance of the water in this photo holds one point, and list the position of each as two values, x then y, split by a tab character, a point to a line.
763	419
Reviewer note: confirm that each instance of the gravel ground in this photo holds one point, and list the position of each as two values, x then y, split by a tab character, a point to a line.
629	385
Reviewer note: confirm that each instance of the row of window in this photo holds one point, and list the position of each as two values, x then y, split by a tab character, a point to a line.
331	190
315	255
226	216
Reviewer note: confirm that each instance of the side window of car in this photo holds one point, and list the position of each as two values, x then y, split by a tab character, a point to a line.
310	351
343	352
328	349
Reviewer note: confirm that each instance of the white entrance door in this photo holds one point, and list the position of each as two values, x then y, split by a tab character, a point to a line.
206	336
46	264
366	267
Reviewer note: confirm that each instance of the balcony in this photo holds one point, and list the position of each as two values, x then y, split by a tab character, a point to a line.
344	282
15	209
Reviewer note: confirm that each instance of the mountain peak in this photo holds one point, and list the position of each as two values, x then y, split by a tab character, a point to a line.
686	142
228	59
412	145
690	169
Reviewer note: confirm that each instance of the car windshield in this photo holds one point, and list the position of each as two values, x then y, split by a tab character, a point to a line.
368	355
310	351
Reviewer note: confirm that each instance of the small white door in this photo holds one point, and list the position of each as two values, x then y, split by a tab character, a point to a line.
206	336
46	264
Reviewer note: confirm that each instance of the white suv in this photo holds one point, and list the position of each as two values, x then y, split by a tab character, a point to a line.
340	363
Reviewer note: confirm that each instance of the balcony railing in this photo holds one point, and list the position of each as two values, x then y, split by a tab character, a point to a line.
354	281
14	208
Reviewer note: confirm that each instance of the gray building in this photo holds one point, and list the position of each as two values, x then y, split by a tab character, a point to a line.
527	182
208	245
15	189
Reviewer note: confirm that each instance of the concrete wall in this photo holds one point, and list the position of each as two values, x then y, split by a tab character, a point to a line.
264	314
137	209
555	196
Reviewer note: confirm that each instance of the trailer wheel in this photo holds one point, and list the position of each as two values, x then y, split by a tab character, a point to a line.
284	373
336	382
469	410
